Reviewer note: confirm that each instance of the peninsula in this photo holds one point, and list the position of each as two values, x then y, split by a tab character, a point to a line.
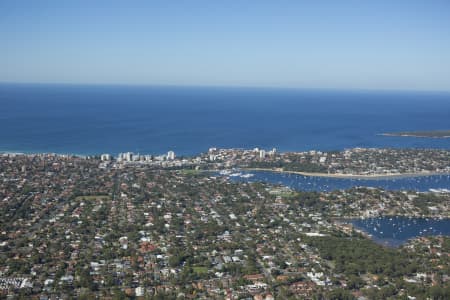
443	134
364	163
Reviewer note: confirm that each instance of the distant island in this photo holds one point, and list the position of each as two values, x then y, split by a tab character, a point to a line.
427	134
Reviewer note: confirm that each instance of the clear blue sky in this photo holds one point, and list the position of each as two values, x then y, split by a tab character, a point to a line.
382	44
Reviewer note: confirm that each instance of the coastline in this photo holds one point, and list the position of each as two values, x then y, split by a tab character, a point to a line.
350	176
9	152
273	170
415	135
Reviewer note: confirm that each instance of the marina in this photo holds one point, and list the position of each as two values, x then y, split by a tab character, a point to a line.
433	183
392	231
395	231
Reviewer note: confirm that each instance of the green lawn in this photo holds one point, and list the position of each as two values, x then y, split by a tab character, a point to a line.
190	172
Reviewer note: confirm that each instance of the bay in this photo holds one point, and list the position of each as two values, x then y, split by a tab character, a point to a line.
395	231
325	184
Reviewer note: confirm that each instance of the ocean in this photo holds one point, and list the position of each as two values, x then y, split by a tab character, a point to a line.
188	120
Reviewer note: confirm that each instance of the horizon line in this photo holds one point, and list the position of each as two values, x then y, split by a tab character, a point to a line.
218	86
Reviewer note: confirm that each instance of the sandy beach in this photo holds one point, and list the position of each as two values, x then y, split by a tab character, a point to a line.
351	176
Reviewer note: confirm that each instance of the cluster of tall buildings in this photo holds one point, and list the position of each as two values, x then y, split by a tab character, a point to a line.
263	153
130	157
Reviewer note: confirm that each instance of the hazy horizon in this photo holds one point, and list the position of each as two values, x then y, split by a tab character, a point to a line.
256	87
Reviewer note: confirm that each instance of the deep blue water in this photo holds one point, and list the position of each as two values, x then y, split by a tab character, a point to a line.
113	119
397	230
313	183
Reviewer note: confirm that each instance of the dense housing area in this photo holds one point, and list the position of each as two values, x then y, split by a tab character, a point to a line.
74	227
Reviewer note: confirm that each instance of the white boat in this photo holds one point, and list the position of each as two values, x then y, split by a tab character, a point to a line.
235	174
247	175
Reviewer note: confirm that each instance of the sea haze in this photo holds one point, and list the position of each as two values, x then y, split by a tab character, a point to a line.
189	120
